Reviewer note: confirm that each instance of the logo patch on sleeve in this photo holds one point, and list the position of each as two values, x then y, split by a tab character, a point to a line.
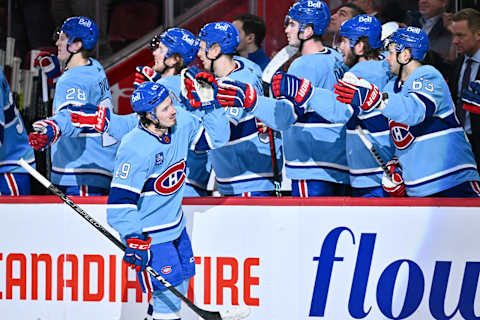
159	158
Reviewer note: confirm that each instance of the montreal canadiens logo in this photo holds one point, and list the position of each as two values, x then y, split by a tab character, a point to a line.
401	136
171	179
166	270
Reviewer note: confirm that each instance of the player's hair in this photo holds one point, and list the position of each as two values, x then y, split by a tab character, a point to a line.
471	15
368	51
356	10
144	120
252	24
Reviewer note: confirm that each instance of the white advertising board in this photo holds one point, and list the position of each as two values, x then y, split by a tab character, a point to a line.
283	261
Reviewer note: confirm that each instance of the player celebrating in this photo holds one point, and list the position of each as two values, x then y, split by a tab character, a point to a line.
244	165
82	163
314	147
430	143
145	199
14	180
360	45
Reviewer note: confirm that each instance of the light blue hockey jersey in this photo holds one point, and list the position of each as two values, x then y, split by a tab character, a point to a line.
314	148
244	164
198	165
147	188
87	158
13	136
431	144
364	171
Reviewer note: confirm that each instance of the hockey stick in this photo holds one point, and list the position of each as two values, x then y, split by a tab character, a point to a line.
373	151
233	314
276	63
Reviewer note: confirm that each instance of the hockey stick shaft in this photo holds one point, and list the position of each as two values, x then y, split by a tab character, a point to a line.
207	315
276	63
373	151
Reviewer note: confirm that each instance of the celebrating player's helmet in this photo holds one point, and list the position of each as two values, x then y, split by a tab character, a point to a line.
223	33
362	25
147	96
81	28
310	12
179	41
411	37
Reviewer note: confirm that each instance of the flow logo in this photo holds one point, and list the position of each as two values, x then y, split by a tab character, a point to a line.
416	282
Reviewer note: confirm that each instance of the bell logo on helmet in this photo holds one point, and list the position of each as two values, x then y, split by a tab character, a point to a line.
414	29
188	40
221	26
85	22
136	97
314	4
365	18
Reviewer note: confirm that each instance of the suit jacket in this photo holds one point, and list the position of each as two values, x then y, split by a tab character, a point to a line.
474	118
439	38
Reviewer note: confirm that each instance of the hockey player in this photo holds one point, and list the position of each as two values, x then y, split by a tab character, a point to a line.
314	147
82	163
145	199
430	143
243	166
360	45
174	50
14	180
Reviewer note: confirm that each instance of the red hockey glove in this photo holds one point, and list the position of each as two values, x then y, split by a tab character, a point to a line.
144	74
394	186
233	93
137	254
90	116
359	93
50	65
46	132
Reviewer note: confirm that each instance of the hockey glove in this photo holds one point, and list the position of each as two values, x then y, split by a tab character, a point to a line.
189	95
90	116
296	90
137	253
145	74
394	186
46	132
359	93
206	87
261	127
471	97
233	93
50	65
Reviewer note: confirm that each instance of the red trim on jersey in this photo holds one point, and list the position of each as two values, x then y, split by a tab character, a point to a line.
83	191
272	201
303	188
12	184
475	187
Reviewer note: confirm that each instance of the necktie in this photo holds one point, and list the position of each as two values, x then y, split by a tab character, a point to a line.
465	80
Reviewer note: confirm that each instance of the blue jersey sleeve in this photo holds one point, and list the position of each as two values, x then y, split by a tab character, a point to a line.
277	114
325	104
130	174
419	102
120	125
209	132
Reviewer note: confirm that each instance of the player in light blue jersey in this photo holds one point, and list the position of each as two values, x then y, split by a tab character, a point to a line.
244	166
14	180
145	201
172	51
430	143
82	162
314	148
360	45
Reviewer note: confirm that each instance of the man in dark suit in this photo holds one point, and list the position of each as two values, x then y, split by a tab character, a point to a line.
429	18
465	29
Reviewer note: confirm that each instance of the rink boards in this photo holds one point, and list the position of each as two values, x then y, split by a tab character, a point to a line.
286	258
